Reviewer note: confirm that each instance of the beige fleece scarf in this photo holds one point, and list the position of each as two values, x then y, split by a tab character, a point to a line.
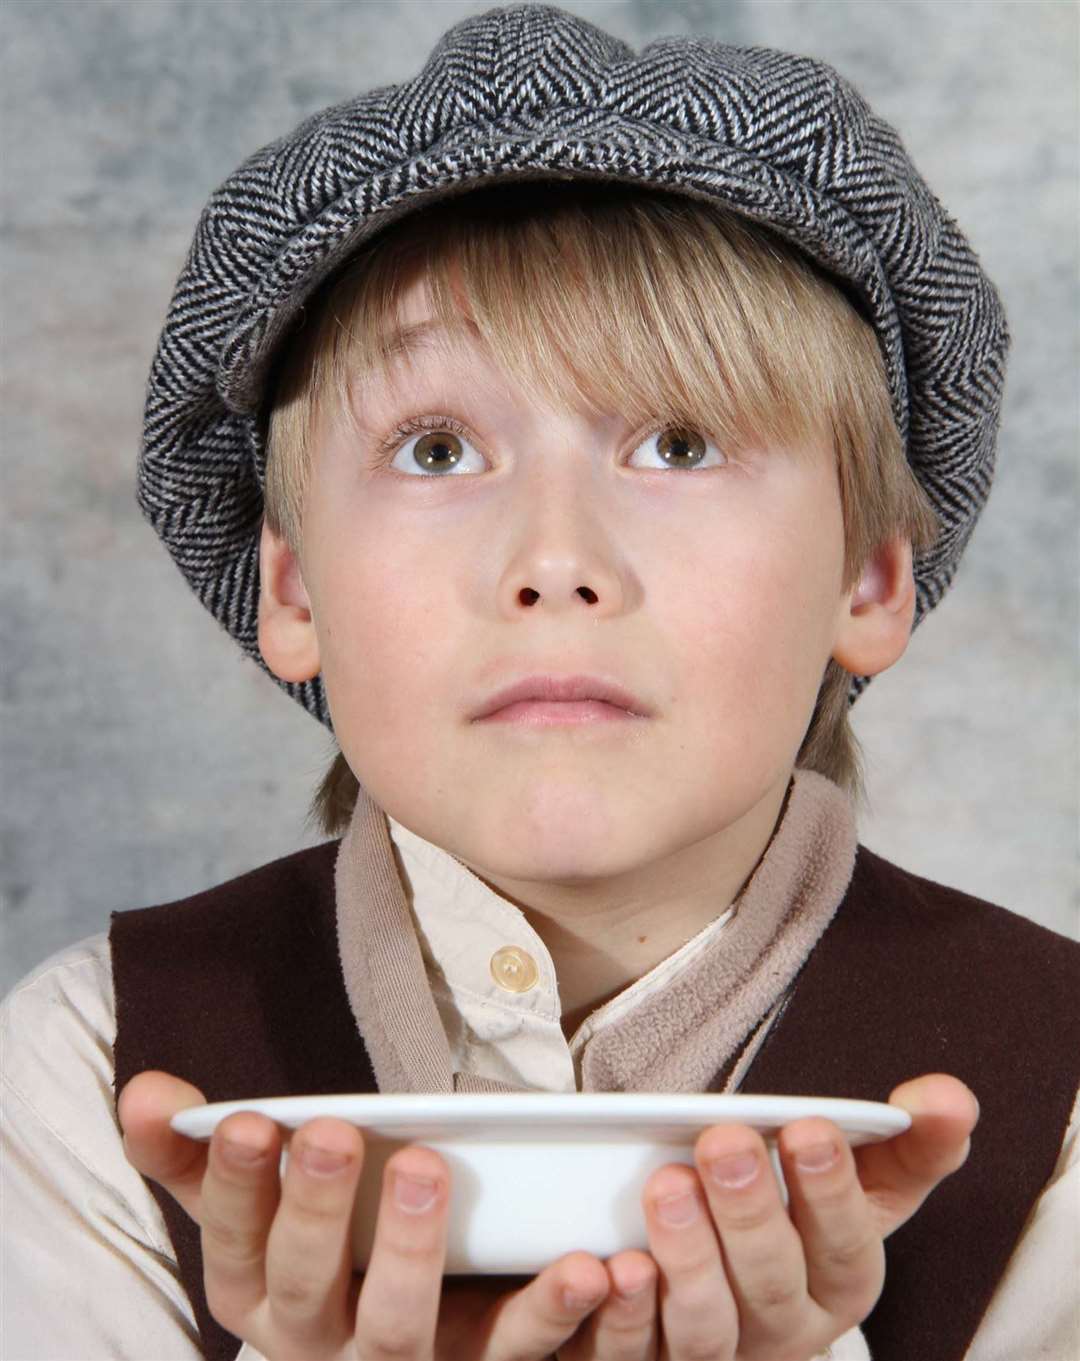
696	1033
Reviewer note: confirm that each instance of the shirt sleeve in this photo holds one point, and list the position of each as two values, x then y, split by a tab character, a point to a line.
87	1267
1035	1311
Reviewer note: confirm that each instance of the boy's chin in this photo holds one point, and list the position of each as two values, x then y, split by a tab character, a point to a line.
577	854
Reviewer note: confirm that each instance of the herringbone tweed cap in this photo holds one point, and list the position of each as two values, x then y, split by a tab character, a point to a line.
529	90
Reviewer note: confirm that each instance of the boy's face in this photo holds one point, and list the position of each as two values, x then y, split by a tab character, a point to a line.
713	594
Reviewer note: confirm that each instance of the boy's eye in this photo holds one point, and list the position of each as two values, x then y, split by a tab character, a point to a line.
679	446
443	448
439	450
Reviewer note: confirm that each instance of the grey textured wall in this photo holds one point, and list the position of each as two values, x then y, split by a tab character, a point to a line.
144	759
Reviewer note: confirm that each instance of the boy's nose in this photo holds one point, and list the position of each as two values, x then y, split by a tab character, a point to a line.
564	581
561	554
529	596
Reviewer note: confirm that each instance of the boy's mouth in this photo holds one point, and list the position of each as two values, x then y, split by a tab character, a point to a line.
561	699
542	712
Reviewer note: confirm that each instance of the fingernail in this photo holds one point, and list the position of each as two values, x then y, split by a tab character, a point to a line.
816	1158
632	1292
678	1210
322	1162
242	1155
735	1171
414	1194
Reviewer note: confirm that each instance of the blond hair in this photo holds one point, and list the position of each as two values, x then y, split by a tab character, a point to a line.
649	303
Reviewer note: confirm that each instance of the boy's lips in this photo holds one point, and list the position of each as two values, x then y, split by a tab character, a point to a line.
549	698
542	713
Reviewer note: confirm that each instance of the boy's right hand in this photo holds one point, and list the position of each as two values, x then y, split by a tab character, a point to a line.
277	1254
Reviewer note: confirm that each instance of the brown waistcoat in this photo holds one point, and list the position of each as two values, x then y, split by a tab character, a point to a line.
239	990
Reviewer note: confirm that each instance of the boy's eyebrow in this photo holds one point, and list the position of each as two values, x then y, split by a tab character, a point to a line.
401	342
418	335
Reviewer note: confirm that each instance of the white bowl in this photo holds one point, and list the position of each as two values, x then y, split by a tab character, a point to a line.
535	1175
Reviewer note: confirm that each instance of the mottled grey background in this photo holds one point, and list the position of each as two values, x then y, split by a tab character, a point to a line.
144	758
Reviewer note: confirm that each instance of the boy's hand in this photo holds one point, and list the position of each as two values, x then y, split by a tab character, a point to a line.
277	1254
745	1279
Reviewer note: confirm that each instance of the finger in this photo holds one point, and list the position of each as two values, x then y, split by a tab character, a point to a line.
240	1195
308	1251
698	1309
625	1327
144	1108
898	1174
535	1321
762	1252
844	1254
399	1301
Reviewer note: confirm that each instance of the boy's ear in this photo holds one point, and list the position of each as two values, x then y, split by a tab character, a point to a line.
287	638
877	613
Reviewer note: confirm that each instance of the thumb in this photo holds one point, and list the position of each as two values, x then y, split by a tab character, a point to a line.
145	1106
898	1174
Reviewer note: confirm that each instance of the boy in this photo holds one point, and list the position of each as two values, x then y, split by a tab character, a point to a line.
711	382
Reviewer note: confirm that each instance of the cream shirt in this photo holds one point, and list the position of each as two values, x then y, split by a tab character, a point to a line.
87	1271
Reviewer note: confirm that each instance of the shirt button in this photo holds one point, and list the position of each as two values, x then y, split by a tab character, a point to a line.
513	969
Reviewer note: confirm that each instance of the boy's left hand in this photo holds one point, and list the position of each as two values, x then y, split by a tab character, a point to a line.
745	1279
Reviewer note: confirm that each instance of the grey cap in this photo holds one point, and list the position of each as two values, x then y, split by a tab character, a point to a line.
527	91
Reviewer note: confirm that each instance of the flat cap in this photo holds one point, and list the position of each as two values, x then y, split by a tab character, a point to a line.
530	90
